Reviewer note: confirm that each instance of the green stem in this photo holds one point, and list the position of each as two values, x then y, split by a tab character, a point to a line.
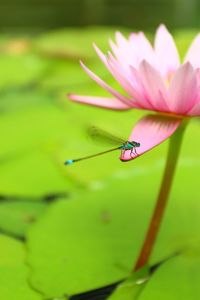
156	219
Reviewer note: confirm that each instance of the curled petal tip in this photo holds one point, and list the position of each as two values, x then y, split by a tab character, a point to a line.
151	130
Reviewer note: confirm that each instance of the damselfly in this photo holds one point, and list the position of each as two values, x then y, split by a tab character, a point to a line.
102	135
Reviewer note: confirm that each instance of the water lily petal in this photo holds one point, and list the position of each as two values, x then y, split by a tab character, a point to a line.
142	48
115	49
139	88
197	71
110	103
133	50
195	110
101	55
166	51
119	74
104	85
150	131
183	89
121	40
123	52
193	53
154	86
129	81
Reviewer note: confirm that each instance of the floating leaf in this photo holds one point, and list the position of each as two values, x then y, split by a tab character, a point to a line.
20	69
13	272
74	43
131	288
176	279
91	241
16	218
18	213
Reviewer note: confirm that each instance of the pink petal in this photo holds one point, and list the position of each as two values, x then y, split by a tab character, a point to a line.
197	71
139	48
154	86
101	56
110	103
115	48
118	73
139	88
127	81
195	111
121	40
150	131
193	53
104	85
183	89
142	48
123	52
132	51
166	51
145	45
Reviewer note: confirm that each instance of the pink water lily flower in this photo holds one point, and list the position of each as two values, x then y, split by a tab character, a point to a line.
153	79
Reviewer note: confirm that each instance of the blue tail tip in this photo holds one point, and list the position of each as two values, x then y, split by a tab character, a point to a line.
69	162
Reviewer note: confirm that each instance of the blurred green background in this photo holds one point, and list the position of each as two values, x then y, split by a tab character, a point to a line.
142	14
68	230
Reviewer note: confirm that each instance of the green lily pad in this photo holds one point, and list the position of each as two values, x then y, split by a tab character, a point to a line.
74	43
13	100
176	279
18	213
34	174
16	218
66	75
14	272
20	69
131	288
91	241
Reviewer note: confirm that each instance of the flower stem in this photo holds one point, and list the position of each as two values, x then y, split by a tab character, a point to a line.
156	219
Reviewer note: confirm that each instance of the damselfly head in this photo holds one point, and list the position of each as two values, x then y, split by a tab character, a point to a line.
135	144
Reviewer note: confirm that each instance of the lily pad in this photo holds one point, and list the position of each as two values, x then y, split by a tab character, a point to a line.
131	288
74	43
28	176
20	69
14	272
176	279
91	241
16	218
